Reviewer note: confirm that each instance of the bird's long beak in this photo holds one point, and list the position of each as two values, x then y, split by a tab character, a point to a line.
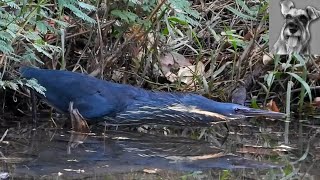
250	112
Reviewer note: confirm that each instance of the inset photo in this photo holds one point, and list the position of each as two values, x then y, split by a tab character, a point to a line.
294	27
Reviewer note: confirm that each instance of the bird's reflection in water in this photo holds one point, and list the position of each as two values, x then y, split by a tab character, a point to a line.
120	151
164	151
76	138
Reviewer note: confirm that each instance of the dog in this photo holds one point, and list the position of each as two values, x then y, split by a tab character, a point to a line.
295	33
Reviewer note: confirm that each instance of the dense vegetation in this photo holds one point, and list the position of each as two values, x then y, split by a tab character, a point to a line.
215	48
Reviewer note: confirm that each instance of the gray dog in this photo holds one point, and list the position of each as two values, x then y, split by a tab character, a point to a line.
295	33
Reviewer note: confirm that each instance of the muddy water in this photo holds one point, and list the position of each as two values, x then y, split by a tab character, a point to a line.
253	149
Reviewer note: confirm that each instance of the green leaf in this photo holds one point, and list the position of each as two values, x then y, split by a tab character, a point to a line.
86	6
303	82
13	4
79	13
11	85
42	27
270	79
32	36
184	12
240	14
60	23
246	8
5	47
220	70
5	36
30	55
254	103
135	2
177	20
33	84
300	59
13	27
42	50
127	16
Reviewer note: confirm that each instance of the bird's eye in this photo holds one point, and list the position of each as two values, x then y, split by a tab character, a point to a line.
236	110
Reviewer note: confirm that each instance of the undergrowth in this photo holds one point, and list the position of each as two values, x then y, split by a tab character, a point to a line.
204	46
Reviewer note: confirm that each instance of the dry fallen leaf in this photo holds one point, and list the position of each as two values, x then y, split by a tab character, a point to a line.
272	106
187	74
267	59
173	60
171	77
316	102
186	71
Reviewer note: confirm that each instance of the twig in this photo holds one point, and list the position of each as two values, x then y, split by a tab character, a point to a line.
34	106
127	41
100	44
249	47
4	135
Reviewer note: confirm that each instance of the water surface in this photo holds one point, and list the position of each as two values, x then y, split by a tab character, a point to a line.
251	149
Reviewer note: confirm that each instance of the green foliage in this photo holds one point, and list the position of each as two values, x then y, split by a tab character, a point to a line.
235	39
180	12
183	11
75	6
33	84
245	12
304	84
10	84
295	64
225	175
126	16
23	28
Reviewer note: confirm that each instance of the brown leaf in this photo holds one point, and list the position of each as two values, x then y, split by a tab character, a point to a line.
247	36
316	102
172	60
187	74
272	106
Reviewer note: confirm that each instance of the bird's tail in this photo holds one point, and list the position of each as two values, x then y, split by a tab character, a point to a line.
27	71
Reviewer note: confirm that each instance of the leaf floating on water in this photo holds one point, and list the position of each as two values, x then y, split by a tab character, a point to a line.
151	171
75	170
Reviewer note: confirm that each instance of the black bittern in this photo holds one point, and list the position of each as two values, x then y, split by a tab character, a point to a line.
89	98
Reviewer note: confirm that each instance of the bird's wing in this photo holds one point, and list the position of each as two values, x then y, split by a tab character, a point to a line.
96	106
171	114
93	98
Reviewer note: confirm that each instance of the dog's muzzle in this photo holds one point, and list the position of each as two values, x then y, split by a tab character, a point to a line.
293	33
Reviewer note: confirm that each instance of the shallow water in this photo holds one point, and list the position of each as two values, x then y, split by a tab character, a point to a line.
251	150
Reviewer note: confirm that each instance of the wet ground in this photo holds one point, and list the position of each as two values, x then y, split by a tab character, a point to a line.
251	149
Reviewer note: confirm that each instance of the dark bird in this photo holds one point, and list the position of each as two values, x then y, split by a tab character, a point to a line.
89	98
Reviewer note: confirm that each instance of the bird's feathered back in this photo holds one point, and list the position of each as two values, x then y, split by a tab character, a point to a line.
93	97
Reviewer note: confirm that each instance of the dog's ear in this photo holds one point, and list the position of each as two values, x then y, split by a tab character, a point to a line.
286	5
313	13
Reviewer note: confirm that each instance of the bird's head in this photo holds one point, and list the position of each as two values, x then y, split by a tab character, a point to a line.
206	106
239	111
